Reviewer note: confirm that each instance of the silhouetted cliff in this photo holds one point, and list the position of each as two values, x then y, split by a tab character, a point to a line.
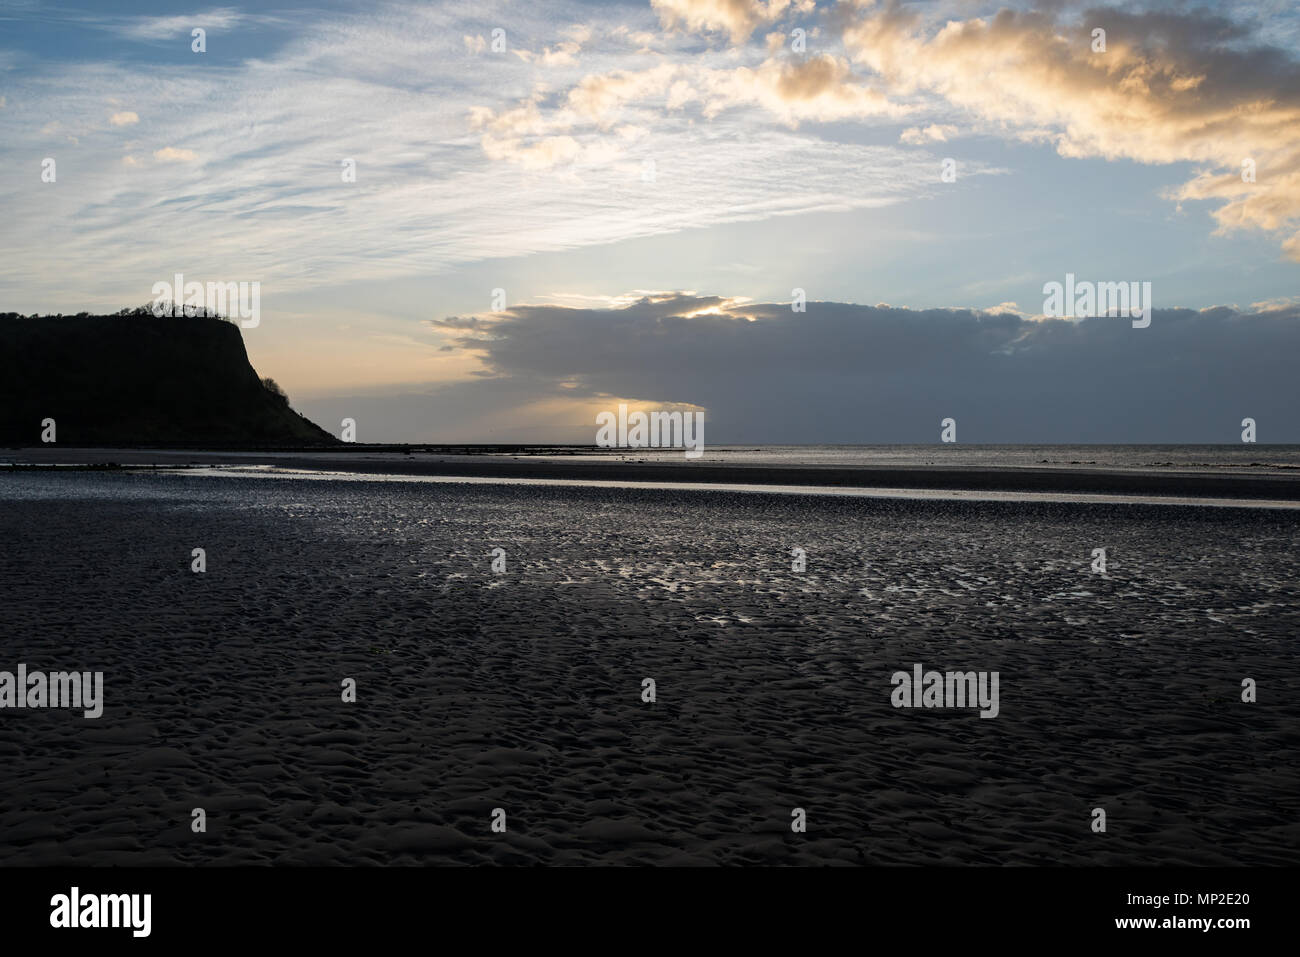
139	380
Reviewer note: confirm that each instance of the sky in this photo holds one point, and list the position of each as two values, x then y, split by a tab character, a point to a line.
562	206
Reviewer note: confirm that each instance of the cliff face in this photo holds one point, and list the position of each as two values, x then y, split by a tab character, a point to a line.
139	380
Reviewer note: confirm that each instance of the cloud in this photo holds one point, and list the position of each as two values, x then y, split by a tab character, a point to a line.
644	40
540	154
1277	304
511	159
481	171
851	373
579	33
1170	87
599	97
170	154
817	88
934	133
125	118
820	88
737	18
1011	308
163	28
564	53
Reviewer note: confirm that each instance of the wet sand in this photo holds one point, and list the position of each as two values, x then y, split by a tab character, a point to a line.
522	690
1264	483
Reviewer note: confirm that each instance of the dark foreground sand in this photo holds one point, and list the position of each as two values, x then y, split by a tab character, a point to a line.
522	691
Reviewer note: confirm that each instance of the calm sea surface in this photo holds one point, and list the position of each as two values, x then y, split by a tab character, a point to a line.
1242	455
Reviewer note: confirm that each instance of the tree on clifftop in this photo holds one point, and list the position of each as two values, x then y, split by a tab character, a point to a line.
273	387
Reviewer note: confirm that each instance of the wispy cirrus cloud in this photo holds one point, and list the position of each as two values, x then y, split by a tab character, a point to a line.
459	156
172	154
169	27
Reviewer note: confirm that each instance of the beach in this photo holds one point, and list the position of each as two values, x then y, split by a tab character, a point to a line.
521	688
1267	472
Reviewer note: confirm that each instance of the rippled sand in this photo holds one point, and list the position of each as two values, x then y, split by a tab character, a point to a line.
523	691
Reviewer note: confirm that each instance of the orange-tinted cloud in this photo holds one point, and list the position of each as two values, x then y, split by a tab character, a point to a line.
1168	88
737	18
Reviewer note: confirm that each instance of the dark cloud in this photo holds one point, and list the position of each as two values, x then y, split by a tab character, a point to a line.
866	374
